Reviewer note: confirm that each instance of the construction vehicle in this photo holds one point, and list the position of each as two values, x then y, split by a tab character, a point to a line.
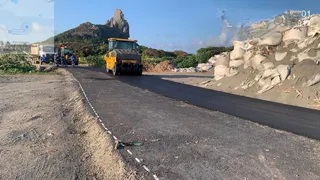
38	50
66	53
123	57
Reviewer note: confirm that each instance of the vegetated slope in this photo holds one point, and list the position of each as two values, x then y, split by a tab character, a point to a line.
88	38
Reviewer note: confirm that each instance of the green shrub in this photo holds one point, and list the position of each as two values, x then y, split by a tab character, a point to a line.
96	61
186	61
204	57
204	54
15	63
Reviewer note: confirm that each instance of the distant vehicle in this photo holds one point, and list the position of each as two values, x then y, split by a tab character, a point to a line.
66	53
37	51
123	57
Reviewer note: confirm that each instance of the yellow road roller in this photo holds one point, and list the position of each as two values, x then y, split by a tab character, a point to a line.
123	57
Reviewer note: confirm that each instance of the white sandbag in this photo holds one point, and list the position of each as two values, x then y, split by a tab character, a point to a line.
270	73
232	72
212	60
257	60
237	44
263	82
268	65
249	44
314	26
269	84
304	55
220	71
273	39
204	67
314	80
236	63
276	80
191	69
237	53
247	55
258	77
284	71
223	59
280	56
296	33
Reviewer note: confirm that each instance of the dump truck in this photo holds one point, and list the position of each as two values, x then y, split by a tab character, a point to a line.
38	50
123	57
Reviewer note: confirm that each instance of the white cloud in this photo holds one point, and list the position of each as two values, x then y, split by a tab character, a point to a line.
38	28
3	27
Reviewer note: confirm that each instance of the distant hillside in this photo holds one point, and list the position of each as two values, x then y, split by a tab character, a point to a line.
89	38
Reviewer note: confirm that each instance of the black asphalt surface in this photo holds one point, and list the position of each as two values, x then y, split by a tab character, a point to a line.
182	141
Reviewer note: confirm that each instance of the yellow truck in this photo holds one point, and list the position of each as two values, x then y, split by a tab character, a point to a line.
123	57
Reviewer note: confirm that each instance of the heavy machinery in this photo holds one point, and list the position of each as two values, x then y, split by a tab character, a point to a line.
123	57
38	50
65	53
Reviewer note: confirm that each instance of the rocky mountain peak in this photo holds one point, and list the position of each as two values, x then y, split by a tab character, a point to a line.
119	22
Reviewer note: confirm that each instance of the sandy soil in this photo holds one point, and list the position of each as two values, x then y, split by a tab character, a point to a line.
285	93
46	132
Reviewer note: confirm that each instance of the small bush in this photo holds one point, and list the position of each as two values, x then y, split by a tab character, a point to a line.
15	63
96	61
186	61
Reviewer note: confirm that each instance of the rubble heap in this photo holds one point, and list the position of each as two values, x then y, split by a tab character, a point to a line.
273	57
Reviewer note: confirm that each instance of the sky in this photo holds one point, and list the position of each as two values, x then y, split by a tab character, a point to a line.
163	24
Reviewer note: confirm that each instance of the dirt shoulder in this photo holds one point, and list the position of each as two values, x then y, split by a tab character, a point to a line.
291	91
46	132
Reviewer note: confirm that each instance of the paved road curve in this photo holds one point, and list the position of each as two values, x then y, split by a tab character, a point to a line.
182	141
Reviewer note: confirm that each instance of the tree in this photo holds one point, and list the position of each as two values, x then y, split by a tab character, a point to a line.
7	44
1	43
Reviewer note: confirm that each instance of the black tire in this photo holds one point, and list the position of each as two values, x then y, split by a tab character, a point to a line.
139	73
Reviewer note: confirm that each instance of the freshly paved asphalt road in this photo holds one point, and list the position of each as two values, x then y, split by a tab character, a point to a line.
182	141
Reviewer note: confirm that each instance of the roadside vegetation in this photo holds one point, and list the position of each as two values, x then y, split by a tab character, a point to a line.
180	58
15	63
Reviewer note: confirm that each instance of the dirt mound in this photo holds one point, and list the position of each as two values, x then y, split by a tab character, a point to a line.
164	66
147	67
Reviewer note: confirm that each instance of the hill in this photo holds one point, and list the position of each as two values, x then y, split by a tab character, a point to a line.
90	38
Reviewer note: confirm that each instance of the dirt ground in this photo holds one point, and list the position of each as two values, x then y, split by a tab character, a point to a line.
46	132
288	92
